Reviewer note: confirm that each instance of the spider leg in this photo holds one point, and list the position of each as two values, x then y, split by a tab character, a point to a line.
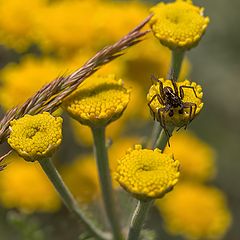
192	111
182	92
162	119
154	79
161	91
175	87
152	99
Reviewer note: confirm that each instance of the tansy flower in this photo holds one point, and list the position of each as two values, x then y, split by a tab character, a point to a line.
17	22
24	79
178	25
36	137
189	94
82	178
195	211
26	187
100	101
147	173
197	158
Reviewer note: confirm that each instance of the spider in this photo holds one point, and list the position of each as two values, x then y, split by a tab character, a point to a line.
171	98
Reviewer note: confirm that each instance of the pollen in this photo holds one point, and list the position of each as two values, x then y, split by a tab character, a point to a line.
36	137
147	173
178	25
100	101
191	95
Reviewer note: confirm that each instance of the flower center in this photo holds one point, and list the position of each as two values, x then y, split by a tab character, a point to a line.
32	132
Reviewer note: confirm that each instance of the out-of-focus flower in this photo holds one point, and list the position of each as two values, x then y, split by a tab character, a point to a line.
36	137
175	115
82	178
71	27
195	211
147	173
197	158
25	186
17	22
24	79
99	102
65	26
178	25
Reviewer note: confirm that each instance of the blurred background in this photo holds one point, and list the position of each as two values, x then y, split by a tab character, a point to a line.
40	40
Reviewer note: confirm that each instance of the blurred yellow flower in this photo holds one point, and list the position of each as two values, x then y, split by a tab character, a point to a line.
147	173
25	186
197	158
36	137
98	102
82	178
17	22
24	79
195	211
65	26
175	116
178	25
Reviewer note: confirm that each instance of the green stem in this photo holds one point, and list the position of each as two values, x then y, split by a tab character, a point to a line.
68	198
101	156
155	133
138	218
176	63
163	139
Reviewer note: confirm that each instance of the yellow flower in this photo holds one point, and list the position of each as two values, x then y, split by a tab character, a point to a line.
197	158
147	173
25	186
24	79
178	25
82	178
36	137
17	22
100	101
65	26
176	116
195	211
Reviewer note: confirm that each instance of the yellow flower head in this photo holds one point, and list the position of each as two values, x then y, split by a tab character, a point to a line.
178	25
147	173
190	95
98	102
24	79
26	187
197	158
36	137
195	211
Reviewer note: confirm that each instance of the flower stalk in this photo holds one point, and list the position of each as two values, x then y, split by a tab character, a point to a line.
101	156
176	64
68	198
138	218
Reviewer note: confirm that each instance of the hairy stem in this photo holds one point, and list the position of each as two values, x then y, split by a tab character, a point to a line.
101	156
68	198
138	218
176	63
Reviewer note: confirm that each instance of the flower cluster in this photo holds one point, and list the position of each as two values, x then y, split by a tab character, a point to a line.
178	25
195	211
36	137
197	161
147	173
189	93
99	102
25	186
